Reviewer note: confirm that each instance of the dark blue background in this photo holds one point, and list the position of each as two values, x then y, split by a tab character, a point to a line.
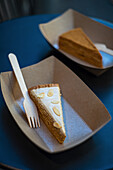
22	36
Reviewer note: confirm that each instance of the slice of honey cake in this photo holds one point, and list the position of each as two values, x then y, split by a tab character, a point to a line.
48	100
76	43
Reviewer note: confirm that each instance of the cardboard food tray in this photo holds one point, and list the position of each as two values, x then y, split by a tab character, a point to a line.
83	116
97	32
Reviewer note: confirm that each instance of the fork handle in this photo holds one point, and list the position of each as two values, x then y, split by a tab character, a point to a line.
18	73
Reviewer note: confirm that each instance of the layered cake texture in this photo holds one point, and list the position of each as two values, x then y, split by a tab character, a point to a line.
48	100
77	43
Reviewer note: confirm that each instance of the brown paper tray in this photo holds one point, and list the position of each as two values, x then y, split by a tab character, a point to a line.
84	113
97	32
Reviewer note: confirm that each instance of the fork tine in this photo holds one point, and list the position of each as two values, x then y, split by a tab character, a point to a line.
38	122
29	121
32	122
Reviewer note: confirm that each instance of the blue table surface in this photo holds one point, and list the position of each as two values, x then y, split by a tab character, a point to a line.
23	37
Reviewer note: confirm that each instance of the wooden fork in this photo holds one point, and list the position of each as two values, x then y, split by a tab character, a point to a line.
29	106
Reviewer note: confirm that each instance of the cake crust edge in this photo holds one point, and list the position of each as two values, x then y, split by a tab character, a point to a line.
45	115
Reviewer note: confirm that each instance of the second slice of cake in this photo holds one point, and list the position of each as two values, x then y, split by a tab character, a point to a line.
48	100
76	43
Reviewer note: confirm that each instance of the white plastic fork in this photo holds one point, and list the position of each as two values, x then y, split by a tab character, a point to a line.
29	106
102	47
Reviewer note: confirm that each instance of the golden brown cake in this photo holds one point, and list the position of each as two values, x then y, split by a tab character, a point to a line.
48	100
76	43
